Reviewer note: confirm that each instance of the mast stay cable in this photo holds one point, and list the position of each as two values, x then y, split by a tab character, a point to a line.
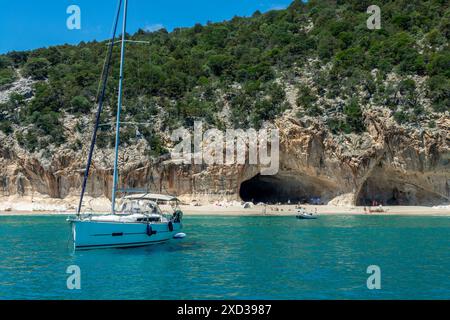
119	107
99	110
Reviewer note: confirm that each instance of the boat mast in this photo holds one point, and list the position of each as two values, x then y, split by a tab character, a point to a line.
100	107
119	107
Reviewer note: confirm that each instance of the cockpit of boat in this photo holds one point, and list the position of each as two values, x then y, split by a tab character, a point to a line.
143	209
138	206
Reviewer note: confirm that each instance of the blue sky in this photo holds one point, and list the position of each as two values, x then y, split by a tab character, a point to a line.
30	24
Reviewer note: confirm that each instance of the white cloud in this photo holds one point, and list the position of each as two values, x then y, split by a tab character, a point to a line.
274	6
153	27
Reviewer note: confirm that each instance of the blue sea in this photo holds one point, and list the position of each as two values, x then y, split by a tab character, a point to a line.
235	258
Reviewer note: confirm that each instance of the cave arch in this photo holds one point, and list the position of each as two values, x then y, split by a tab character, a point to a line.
285	188
387	187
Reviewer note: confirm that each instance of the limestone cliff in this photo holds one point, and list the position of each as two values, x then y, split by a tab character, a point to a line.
389	163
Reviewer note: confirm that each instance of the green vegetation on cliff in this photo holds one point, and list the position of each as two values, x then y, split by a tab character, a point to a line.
192	73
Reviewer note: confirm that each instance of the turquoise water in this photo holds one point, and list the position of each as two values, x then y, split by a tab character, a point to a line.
236	258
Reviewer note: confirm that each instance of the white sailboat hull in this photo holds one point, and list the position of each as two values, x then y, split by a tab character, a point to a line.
89	234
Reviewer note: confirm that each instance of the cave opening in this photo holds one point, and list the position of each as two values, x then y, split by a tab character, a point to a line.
285	189
386	187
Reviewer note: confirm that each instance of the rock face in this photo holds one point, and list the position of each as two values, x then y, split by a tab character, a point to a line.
23	86
389	164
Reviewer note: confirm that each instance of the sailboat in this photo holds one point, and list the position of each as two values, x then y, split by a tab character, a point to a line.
139	220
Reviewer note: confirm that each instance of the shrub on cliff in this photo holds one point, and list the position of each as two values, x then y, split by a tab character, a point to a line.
29	140
439	92
307	99
36	68
353	113
80	104
5	62
6	127
7	76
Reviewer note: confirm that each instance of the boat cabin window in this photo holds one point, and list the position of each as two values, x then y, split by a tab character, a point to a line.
149	219
139	206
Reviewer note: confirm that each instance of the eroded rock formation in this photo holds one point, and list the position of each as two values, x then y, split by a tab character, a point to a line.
389	163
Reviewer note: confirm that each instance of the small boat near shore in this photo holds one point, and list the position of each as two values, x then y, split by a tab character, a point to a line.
303	214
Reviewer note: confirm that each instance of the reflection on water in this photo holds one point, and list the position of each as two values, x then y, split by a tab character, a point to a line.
235	257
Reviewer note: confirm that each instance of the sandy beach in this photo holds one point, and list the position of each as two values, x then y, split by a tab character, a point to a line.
43	205
268	210
289	210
